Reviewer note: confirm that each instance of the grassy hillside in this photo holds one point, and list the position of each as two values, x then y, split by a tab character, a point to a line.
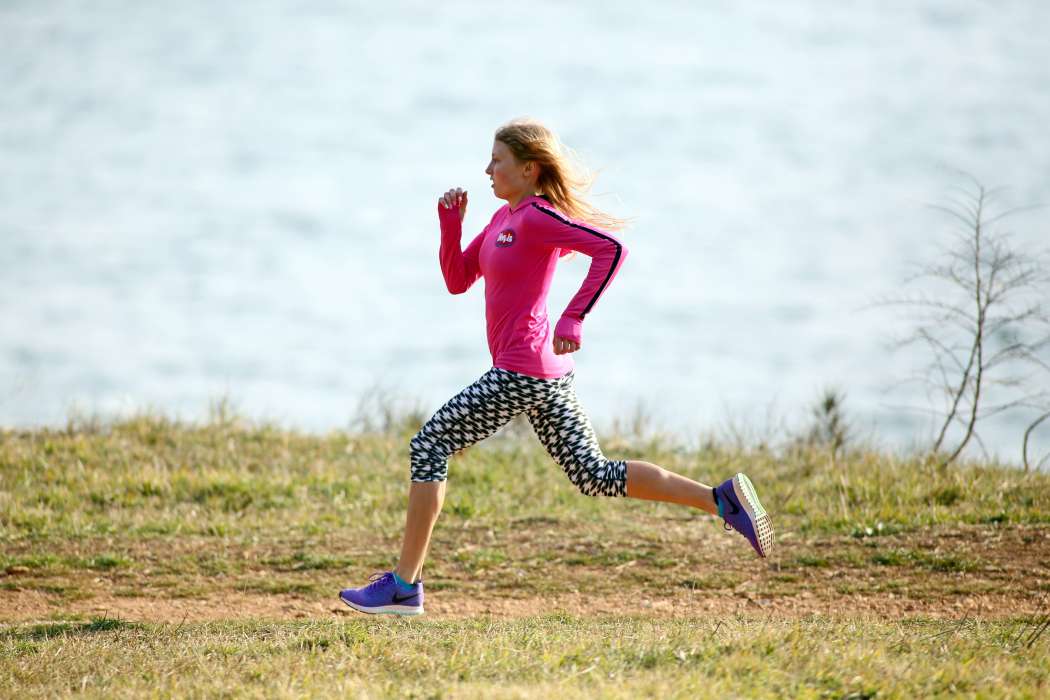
207	558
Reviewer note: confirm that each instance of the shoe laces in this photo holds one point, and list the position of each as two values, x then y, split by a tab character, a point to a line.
376	579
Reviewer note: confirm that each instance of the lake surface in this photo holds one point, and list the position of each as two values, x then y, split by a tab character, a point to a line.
202	200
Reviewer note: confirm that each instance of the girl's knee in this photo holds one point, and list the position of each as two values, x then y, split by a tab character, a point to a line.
429	463
604	478
417	442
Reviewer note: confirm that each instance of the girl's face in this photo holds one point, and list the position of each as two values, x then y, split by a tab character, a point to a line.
511	179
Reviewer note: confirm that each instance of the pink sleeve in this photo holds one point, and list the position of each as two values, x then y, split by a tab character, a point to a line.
460	268
607	255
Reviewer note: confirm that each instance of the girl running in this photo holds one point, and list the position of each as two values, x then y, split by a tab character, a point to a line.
544	219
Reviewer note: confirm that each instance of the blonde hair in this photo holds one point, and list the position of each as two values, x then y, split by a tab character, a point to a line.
562	181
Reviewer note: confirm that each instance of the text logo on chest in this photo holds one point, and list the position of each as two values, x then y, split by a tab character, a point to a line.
505	239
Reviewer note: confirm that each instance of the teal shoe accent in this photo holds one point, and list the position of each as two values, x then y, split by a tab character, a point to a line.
405	585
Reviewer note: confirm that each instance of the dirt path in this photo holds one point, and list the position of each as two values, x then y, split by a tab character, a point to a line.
981	571
23	606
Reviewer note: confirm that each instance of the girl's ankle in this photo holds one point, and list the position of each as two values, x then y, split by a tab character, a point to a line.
400	581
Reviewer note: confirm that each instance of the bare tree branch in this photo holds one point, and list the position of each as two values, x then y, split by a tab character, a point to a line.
981	316
1028	434
952	213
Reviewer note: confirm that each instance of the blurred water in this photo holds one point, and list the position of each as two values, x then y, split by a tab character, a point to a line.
202	199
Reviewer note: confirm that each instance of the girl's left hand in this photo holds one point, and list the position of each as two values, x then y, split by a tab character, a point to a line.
564	345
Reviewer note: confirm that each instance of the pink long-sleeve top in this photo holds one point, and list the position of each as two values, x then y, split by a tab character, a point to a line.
516	253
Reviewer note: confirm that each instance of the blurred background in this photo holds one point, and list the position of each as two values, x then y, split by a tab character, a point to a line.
204	200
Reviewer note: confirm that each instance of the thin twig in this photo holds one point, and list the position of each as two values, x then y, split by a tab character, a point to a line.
1027	435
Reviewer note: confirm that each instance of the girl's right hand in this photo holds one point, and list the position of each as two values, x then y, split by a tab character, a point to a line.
455	198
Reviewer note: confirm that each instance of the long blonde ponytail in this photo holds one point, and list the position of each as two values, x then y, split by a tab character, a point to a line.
564	182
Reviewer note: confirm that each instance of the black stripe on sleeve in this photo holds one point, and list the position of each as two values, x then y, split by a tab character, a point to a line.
599	234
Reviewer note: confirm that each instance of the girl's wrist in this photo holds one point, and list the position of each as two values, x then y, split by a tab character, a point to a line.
569	328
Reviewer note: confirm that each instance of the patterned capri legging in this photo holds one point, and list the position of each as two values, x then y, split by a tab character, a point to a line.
554	412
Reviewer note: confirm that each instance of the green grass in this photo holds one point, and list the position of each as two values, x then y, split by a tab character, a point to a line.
898	557
623	657
149	477
148	510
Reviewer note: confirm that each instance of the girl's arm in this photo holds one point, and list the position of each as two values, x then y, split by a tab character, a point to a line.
460	268
607	255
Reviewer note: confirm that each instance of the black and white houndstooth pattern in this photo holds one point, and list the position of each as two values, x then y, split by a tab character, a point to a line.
554	412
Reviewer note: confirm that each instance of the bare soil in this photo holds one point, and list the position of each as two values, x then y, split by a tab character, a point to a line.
981	571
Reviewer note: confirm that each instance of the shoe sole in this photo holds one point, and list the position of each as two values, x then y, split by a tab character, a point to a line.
760	520
390	609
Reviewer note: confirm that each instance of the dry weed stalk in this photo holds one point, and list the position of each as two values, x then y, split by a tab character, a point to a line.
985	326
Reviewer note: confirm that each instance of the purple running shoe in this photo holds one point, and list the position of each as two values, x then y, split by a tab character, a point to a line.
739	507
383	595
